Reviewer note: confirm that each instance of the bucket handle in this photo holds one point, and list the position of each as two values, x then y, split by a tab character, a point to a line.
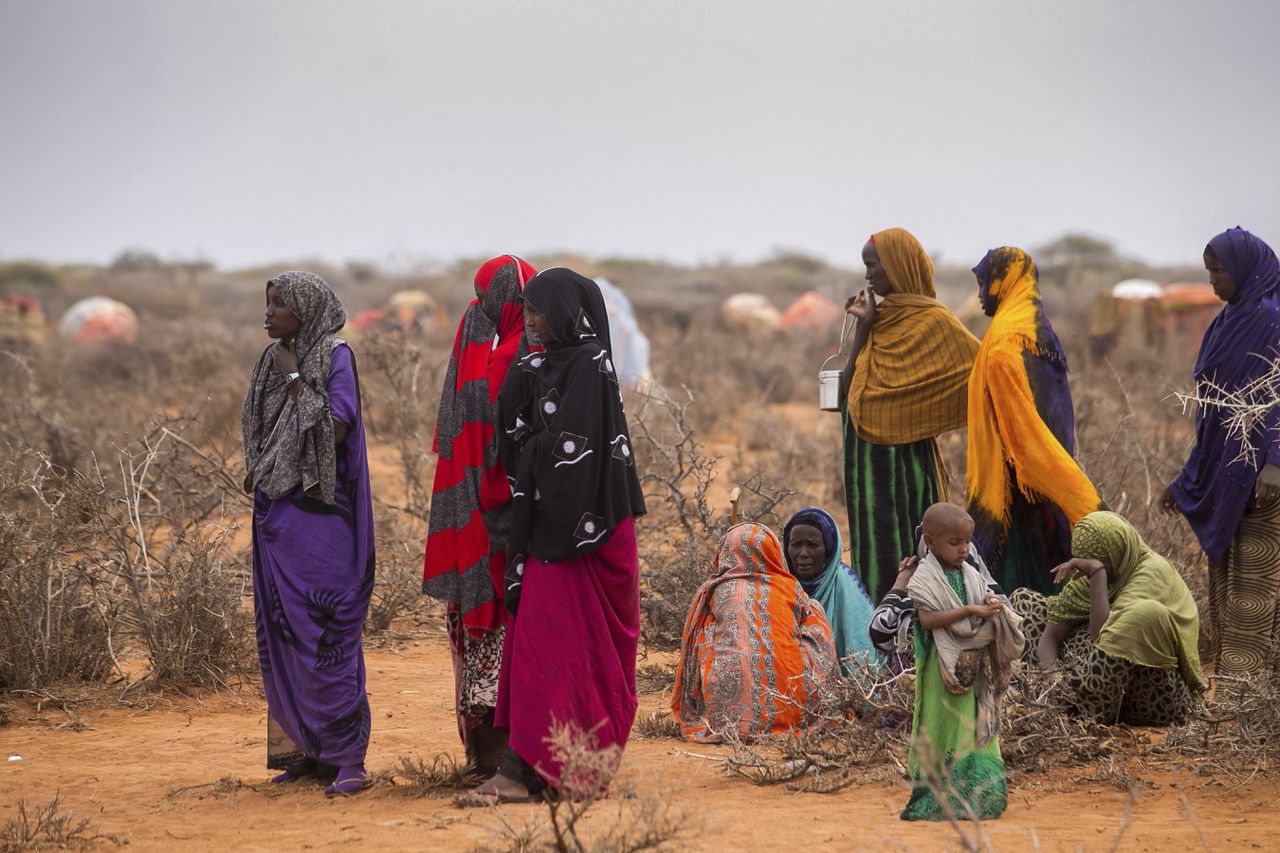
850	323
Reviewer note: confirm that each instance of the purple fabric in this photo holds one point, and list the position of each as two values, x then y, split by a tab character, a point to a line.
570	652
1215	488
313	568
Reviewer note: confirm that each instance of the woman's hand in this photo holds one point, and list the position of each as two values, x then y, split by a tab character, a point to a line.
861	305
1166	502
1267	489
1076	567
285	358
906	569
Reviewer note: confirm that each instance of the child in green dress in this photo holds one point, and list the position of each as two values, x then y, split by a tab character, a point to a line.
966	640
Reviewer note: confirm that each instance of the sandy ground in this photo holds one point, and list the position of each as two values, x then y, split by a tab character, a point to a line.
188	774
149	778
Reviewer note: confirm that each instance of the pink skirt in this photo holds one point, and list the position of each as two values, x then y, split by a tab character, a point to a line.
570	652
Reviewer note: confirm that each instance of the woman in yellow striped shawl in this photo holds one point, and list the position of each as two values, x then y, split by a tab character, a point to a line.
1025	490
905	384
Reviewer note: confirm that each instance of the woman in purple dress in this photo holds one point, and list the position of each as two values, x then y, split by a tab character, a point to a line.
1229	488
313	555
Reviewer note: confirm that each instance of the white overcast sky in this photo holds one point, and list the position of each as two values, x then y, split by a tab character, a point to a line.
696	130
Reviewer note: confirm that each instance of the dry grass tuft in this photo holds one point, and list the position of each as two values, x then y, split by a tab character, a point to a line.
655	678
420	777
657	726
219	788
41	827
648	820
855	731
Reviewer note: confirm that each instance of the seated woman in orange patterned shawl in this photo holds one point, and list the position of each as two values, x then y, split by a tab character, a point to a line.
755	648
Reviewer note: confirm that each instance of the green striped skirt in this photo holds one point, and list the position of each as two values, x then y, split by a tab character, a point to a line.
887	488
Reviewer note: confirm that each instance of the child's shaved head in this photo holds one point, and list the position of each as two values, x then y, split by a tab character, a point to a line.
942	517
947	532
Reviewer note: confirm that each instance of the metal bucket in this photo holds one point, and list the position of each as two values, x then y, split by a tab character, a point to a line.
829	380
829	390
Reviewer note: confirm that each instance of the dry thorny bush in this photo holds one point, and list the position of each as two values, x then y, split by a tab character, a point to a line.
853	731
37	827
1237	733
103	559
859	728
634	820
682	527
118	526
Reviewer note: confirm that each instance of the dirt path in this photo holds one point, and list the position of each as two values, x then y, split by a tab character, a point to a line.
126	770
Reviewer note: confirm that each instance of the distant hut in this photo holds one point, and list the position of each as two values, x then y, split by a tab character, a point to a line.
23	321
1125	316
750	311
413	311
99	319
630	344
811	312
363	322
1188	310
1141	317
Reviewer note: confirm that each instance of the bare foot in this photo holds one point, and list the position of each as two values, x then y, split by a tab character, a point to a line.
498	789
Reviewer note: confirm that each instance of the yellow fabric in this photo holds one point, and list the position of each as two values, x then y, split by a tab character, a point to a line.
909	266
1005	428
910	379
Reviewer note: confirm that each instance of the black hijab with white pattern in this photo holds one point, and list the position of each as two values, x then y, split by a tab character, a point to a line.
563	431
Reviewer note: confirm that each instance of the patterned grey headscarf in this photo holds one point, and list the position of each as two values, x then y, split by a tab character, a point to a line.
288	443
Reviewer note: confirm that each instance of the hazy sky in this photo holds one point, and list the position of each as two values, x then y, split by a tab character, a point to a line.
248	132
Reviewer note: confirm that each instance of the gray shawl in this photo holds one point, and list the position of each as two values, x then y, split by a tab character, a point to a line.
288	443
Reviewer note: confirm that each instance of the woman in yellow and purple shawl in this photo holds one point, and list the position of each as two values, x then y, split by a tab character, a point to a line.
905	384
1025	490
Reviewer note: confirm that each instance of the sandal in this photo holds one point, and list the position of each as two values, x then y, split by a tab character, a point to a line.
351	780
299	770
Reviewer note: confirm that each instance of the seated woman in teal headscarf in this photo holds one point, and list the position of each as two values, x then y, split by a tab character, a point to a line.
811	543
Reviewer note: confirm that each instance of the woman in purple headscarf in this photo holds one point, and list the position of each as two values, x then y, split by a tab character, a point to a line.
1229	490
313	556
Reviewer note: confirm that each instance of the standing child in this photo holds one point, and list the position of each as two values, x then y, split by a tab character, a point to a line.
966	640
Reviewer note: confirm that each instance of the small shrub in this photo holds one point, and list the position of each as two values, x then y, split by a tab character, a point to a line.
397	589
642	821
191	613
43	826
657	726
442	773
55	615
